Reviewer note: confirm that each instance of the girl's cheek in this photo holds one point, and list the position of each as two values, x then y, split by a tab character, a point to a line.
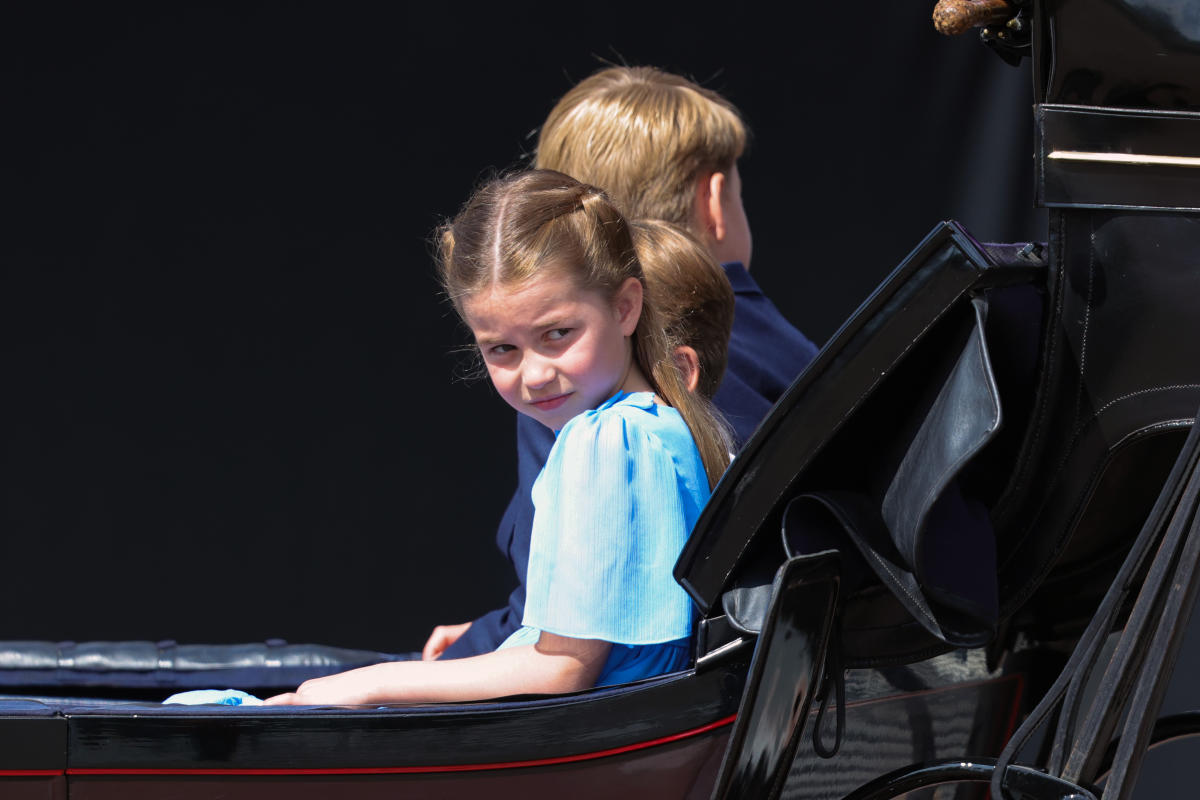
503	379
496	376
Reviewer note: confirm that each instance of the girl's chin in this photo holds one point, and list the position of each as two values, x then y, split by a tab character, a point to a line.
556	419
552	421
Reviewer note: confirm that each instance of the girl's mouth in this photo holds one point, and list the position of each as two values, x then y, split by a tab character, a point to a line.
551	403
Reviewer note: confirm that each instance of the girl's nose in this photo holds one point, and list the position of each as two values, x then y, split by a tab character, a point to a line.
536	372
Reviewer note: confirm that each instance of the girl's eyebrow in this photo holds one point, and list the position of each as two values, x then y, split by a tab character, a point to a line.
488	339
556	319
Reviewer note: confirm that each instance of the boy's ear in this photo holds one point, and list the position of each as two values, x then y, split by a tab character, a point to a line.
710	212
689	366
628	305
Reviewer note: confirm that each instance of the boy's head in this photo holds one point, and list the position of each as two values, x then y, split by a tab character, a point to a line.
693	297
660	146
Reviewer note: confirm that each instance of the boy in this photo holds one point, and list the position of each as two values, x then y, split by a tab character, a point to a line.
662	147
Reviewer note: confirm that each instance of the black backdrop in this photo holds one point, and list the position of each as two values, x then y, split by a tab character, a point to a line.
230	411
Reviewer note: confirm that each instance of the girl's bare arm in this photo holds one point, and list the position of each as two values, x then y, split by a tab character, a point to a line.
554	665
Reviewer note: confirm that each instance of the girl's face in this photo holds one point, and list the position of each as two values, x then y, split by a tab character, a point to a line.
554	350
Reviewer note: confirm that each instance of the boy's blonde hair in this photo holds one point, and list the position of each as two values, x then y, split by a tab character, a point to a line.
691	292
515	229
645	136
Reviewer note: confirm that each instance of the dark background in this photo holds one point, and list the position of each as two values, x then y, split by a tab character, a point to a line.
230	410
229	377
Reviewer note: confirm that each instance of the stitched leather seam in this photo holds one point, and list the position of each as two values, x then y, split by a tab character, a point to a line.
902	587
1087	314
1114	401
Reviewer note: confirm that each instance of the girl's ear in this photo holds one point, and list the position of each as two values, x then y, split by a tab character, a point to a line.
627	303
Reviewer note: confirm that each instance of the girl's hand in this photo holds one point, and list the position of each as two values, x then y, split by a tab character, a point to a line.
344	689
442	637
285	699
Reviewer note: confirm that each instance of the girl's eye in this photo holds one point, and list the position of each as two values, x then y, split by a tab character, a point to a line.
500	349
558	333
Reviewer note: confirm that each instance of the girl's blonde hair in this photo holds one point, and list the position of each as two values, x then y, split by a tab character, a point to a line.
515	228
645	136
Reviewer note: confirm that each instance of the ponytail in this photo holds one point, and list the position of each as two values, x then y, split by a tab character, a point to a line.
654	353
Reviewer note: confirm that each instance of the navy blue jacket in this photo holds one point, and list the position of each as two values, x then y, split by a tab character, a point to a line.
765	355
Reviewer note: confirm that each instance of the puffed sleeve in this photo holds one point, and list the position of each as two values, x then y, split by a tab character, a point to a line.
609	523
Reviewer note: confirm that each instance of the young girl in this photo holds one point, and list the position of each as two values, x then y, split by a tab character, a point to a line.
543	271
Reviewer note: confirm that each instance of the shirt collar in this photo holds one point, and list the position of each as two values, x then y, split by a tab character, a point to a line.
638	399
739	277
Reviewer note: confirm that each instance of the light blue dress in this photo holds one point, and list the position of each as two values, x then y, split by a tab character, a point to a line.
621	490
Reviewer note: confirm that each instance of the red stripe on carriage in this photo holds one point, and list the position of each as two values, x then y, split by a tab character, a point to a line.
30	773
539	762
